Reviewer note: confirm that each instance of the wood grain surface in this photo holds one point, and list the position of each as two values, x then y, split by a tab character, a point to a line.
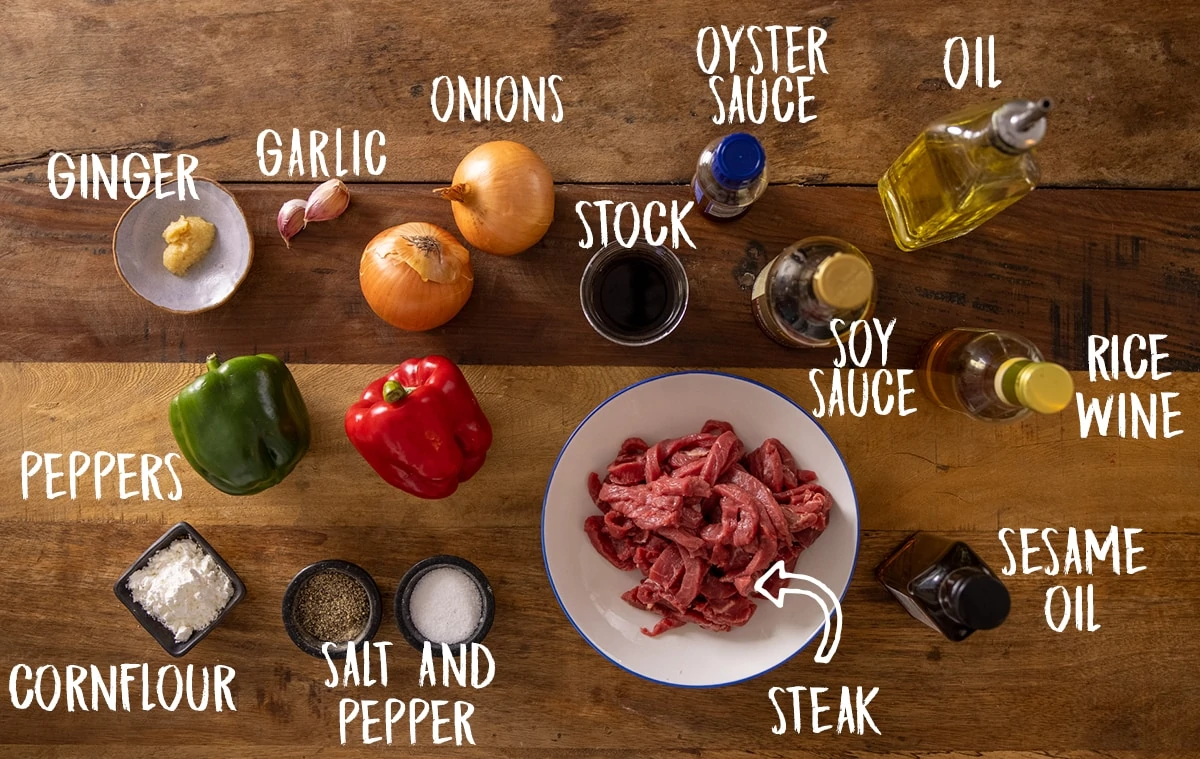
1110	244
1058	266
274	752
553	692
115	78
932	469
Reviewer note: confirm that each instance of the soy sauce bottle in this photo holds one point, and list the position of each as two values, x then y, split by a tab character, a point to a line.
945	584
809	284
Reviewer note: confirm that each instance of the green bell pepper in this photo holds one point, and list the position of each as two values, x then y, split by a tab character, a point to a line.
242	425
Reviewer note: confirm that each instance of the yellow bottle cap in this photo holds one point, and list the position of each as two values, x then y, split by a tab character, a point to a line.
843	281
1044	387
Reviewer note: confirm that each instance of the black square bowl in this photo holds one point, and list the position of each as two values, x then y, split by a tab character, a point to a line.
165	637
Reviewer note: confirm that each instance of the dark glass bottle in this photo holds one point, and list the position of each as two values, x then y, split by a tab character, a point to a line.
945	584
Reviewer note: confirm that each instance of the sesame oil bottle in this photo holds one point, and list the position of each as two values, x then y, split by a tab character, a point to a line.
944	584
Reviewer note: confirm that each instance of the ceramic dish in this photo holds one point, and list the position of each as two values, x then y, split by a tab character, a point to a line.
311	645
165	637
138	248
405	590
589	588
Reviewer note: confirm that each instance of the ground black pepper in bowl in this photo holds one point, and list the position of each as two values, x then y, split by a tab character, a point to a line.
331	602
332	606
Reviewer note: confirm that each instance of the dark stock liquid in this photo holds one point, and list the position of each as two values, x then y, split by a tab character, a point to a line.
634	294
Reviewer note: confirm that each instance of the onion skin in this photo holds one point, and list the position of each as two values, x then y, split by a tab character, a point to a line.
408	298
502	197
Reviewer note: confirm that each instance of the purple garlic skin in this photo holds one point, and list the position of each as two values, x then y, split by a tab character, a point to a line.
328	201
291	220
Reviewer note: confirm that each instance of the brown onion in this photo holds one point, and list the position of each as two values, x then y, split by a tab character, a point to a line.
415	276
503	197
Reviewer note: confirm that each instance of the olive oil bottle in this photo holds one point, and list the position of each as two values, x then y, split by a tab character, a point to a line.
962	171
992	375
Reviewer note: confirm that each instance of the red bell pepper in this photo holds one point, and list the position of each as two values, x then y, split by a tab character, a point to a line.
421	428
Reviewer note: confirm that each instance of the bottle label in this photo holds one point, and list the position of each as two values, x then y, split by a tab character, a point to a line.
911	607
721	210
712	207
760	282
760	305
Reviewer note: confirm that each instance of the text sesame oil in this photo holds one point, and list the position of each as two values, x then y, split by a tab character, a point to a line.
962	171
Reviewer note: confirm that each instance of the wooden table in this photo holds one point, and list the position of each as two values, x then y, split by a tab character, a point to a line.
1110	245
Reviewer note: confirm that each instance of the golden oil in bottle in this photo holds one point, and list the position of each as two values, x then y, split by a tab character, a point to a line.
992	375
810	283
962	171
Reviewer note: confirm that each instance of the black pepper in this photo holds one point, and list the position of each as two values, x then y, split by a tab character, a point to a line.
332	606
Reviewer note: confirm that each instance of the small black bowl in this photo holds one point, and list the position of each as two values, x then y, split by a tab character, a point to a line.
307	643
409	582
165	637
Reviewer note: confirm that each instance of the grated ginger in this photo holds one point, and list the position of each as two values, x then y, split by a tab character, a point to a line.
188	240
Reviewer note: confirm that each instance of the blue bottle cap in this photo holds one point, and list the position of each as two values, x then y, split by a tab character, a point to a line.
738	160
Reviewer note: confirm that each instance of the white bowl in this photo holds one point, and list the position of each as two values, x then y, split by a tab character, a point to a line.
589	588
138	248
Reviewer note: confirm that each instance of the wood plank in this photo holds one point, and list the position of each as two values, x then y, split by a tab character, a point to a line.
1058	266
1129	686
274	752
932	468
114	78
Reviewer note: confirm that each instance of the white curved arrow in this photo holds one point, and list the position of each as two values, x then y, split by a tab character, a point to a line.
822	595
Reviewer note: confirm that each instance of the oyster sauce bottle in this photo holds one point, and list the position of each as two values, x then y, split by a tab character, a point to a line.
730	175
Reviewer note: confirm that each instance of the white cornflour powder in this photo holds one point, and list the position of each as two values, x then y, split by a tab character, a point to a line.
446	605
182	587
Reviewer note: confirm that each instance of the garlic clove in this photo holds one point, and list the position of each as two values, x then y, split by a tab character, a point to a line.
328	201
291	220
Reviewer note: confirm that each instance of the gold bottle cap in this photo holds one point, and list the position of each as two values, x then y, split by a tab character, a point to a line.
1044	387
843	281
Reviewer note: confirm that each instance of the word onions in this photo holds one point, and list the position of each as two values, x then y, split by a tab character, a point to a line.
502	196
415	276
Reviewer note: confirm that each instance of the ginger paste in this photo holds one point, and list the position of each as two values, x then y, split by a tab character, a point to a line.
188	240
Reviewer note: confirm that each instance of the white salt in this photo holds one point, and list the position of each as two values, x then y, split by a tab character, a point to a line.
446	605
182	587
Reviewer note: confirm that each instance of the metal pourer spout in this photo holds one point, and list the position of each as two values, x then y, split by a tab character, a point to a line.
1020	125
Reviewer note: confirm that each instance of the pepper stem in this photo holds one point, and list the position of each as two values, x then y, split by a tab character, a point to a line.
393	391
212	362
455	192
